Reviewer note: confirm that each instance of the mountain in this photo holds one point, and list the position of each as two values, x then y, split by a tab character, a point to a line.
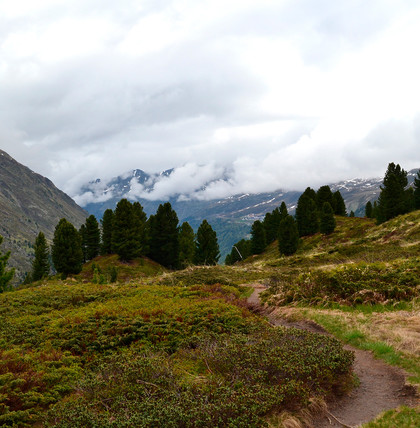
231	217
30	203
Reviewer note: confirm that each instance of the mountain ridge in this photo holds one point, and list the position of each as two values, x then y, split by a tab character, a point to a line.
30	203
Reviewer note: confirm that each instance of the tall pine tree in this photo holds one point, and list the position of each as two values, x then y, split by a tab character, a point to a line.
323	195
67	254
186	245
327	220
107	223
163	236
393	198
93	237
207	247
288	237
339	205
307	215
41	263
258	240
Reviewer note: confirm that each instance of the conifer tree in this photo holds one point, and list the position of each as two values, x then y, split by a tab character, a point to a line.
327	220
258	240
339	205
140	229
93	237
41	263
369	210
283	211
66	252
207	247
323	195
417	191
392	200
125	238
82	234
351	213
107	227
186	245
163	236
307	215
240	251
288	237
5	275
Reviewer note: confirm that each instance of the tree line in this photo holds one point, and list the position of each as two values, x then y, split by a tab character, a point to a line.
315	212
396	197
128	232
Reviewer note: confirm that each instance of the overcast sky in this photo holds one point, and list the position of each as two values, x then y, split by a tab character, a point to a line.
255	95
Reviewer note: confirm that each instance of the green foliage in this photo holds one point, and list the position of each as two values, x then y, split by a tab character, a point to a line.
258	239
240	251
41	263
67	254
107	223
338	204
207	247
163	236
127	231
92	237
288	236
405	417
369	210
5	275
393	198
327	221
307	215
323	195
233	380
353	284
272	221
416	194
186	245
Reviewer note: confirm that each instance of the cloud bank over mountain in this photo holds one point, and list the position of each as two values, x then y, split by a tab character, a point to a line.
246	95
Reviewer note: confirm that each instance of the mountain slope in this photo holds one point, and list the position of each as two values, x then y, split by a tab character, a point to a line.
30	203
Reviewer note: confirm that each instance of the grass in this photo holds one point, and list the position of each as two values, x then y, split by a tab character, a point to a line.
403	417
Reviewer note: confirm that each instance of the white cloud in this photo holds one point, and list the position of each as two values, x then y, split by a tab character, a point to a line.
248	95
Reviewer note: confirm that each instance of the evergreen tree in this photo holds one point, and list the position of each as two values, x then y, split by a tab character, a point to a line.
417	191
82	234
258	240
393	198
186	245
339	204
240	251
323	195
140	227
5	275
310	193
283	211
375	210
67	254
93	237
107	227
41	263
207	247
369	210
163	236
351	213
125	237
288	237
307	215
327	221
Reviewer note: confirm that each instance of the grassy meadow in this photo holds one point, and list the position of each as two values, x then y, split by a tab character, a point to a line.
132	345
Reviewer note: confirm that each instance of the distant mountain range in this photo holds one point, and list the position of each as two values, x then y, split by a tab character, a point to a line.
30	203
231	217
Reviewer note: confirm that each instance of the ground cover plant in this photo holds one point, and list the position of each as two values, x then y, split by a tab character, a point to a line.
63	344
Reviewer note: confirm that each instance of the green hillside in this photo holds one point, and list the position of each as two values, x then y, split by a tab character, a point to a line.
163	348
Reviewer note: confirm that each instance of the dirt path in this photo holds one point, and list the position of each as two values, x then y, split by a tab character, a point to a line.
382	387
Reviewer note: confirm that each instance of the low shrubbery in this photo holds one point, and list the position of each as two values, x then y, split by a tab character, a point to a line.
234	380
351	284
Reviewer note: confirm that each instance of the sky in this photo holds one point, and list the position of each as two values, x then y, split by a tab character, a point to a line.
239	96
